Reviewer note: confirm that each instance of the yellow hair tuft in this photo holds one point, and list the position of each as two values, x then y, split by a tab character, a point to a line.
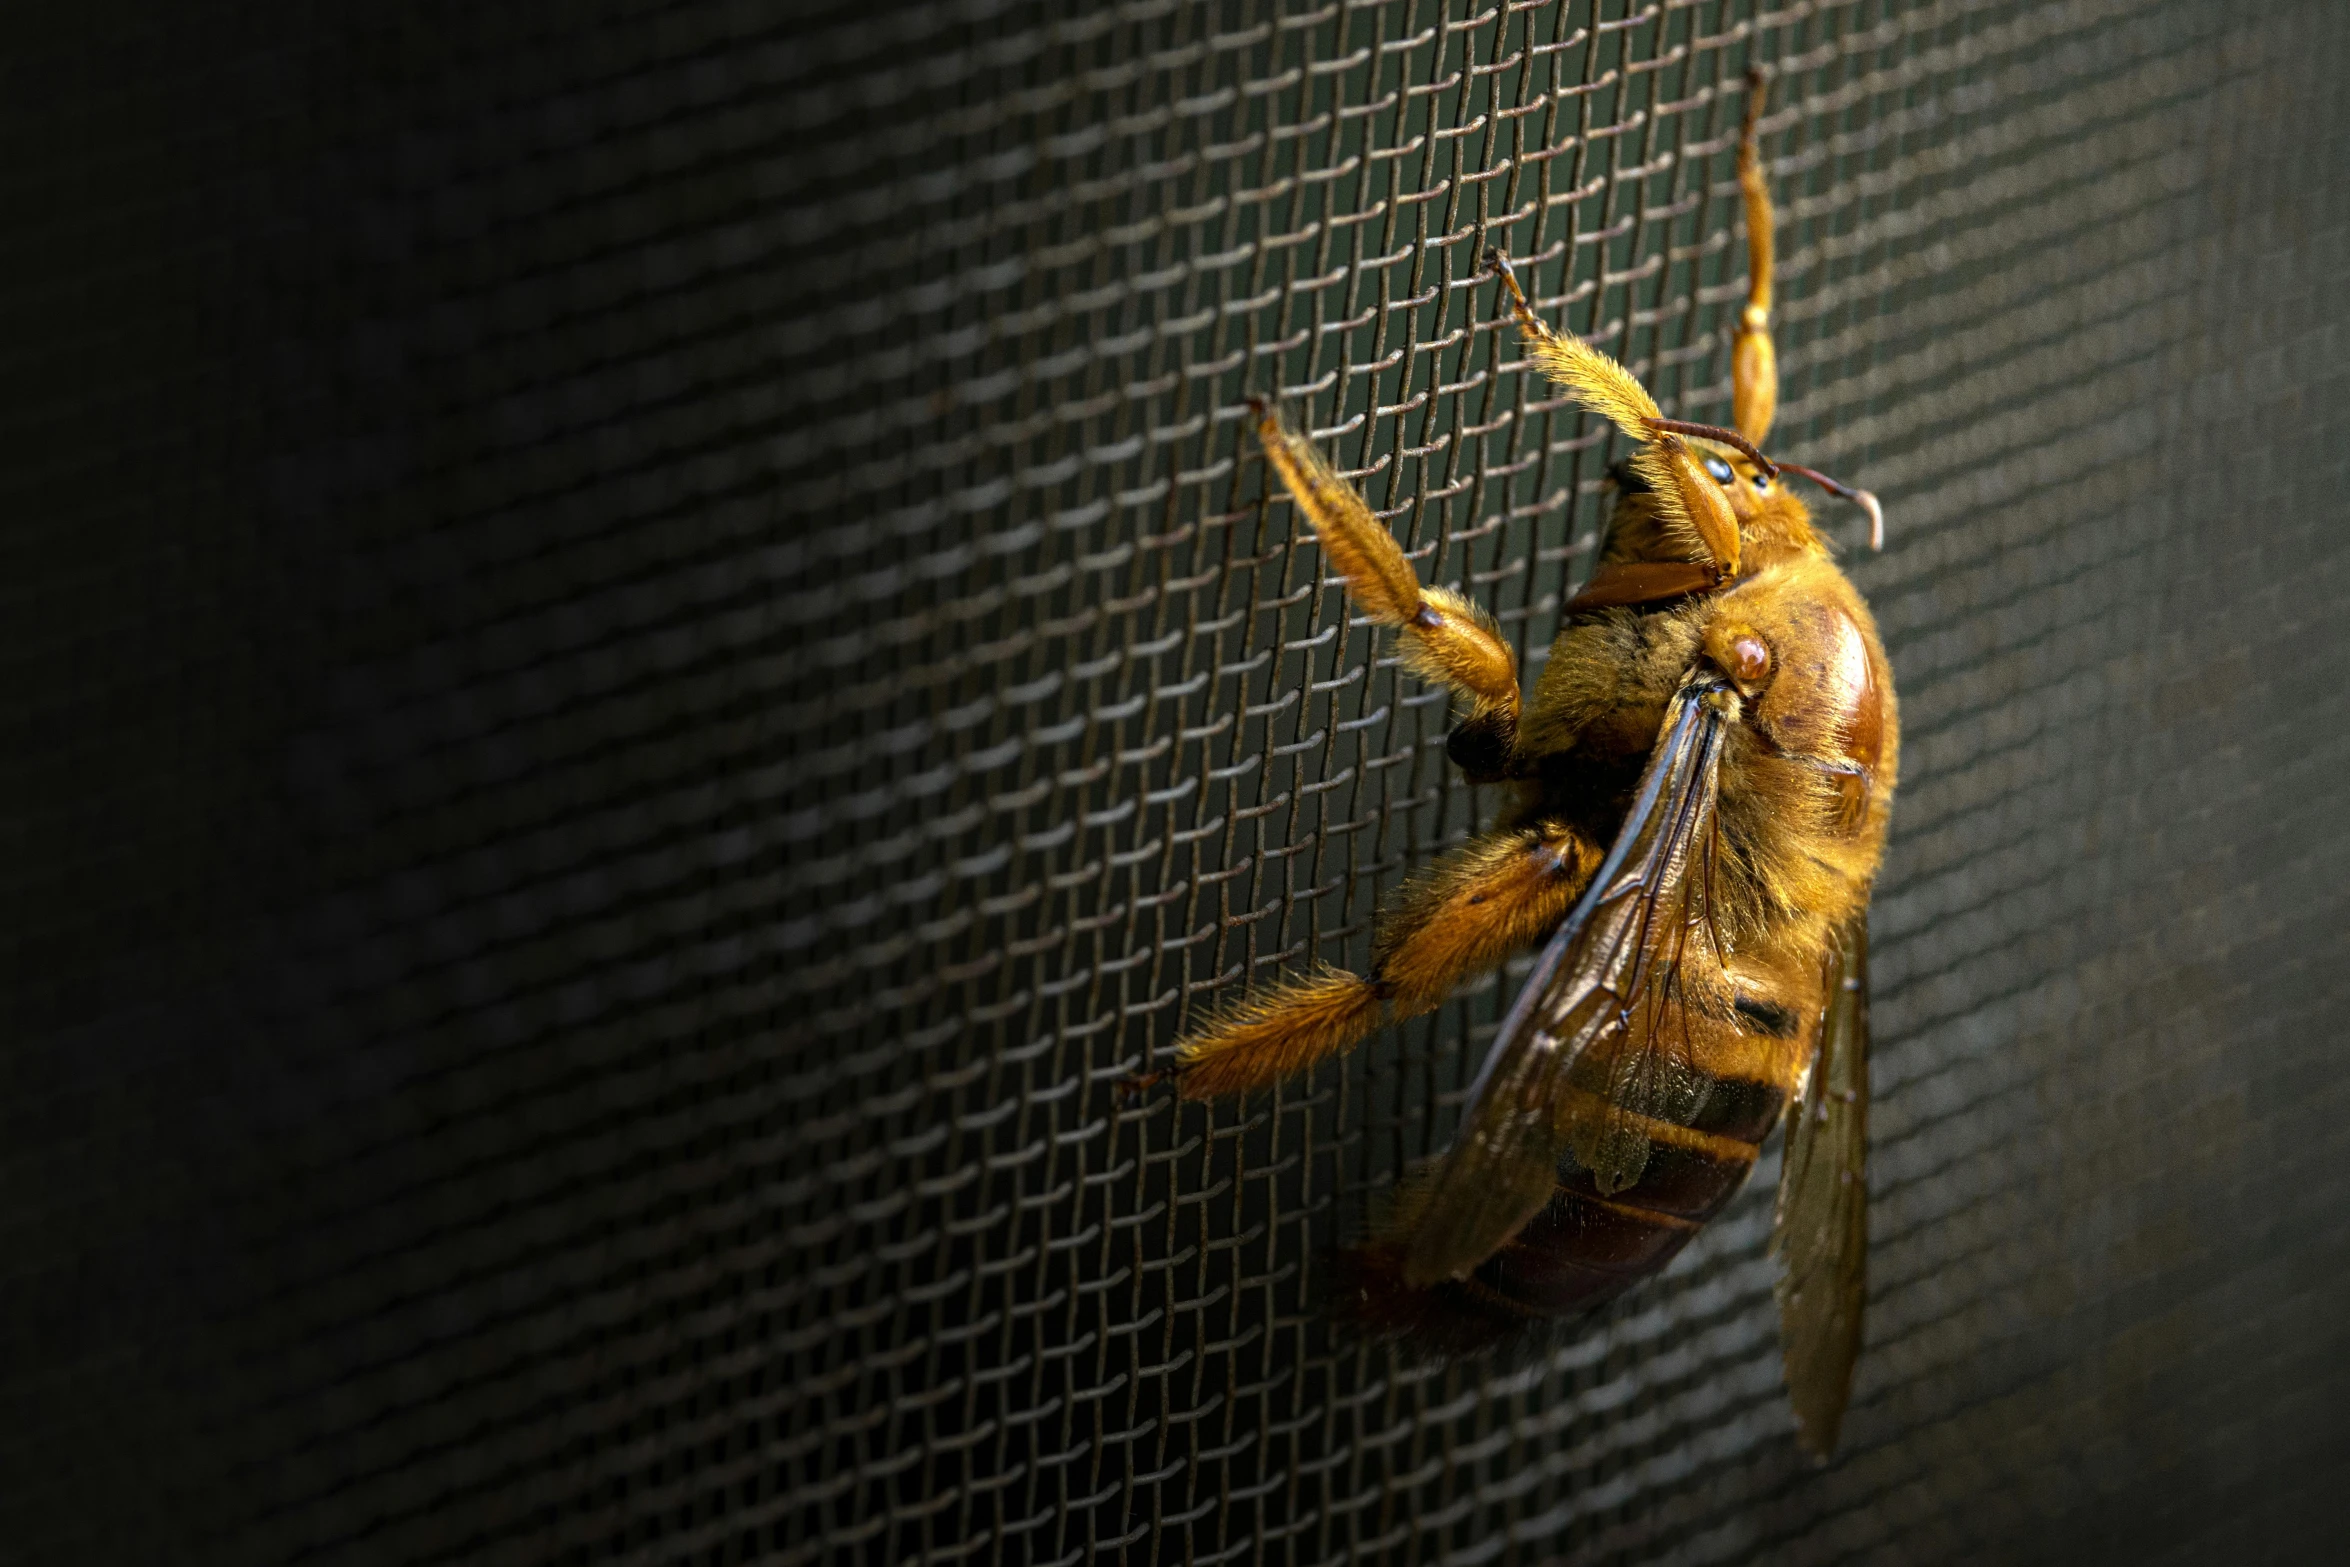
1604	386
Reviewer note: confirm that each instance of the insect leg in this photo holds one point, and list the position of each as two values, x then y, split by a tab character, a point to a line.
1445	638
1754	364
1690	506
1502	893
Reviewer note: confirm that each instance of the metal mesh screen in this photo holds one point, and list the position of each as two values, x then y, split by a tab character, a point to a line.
648	650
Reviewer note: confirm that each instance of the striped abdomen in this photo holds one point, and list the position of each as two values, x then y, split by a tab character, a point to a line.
1588	1247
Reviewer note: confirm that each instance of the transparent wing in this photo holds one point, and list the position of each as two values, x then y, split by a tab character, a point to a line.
1593	1042
1821	1233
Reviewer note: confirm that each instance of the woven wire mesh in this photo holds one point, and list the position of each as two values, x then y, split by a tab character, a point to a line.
651	651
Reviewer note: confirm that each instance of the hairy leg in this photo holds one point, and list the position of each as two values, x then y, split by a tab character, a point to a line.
1503	892
1691	510
1445	638
1754	364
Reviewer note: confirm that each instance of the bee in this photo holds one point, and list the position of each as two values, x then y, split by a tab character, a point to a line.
1700	790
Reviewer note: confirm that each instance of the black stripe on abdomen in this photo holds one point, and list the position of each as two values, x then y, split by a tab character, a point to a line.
1686	1182
1587	1246
1584	1248
1742	1108
1766	1017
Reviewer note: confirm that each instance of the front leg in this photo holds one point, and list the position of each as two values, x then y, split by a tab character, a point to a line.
1445	638
1691	509
1754	364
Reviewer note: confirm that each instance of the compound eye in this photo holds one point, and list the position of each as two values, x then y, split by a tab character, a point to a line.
1750	660
1761	483
1721	470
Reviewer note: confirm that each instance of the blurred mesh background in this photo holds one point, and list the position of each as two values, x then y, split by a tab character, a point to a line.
644	650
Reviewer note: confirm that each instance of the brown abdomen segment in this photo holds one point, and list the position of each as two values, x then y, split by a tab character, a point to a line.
1588	1246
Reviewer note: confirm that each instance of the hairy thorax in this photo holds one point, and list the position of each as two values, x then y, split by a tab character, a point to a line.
1812	753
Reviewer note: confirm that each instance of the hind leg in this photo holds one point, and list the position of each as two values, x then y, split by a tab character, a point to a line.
1502	893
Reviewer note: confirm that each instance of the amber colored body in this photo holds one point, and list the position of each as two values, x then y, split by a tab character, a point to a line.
1800	845
1625	1101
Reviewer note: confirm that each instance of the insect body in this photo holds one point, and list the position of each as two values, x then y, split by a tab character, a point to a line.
1701	788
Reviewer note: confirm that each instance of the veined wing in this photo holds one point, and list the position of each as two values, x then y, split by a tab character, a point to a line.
1594	1033
1821	1232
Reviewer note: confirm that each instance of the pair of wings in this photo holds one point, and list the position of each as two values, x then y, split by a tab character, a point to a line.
1596	1047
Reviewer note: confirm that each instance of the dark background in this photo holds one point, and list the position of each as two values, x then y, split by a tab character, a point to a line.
644	652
